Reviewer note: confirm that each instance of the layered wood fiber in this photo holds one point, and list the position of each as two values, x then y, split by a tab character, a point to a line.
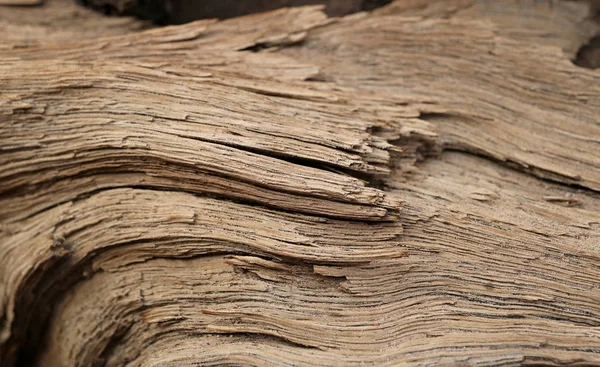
418	185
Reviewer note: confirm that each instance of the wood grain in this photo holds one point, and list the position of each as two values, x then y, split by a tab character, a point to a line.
418	185
500	97
24	23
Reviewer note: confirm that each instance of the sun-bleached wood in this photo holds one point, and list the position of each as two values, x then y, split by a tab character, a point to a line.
419	185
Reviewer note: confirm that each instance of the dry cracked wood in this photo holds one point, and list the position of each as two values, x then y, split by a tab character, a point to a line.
511	100
565	24
159	120
238	202
204	44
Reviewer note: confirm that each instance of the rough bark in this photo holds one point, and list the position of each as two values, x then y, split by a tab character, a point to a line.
418	185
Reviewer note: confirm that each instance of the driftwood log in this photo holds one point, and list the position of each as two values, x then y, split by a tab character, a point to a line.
417	185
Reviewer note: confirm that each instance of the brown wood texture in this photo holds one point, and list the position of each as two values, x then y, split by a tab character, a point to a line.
57	21
417	185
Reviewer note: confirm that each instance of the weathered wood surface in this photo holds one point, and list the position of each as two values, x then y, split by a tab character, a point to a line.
502	97
413	186
57	21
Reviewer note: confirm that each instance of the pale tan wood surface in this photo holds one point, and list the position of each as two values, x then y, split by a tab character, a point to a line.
418	185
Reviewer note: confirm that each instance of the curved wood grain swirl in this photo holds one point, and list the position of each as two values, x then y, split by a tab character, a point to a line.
288	189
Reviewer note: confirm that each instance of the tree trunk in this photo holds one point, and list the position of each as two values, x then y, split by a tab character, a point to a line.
417	185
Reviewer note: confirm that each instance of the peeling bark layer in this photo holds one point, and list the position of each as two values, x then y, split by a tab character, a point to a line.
418	185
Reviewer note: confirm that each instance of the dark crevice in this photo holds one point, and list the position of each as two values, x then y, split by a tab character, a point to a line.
33	309
165	12
255	48
157	11
369	5
112	344
319	77
588	55
415	148
433	116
